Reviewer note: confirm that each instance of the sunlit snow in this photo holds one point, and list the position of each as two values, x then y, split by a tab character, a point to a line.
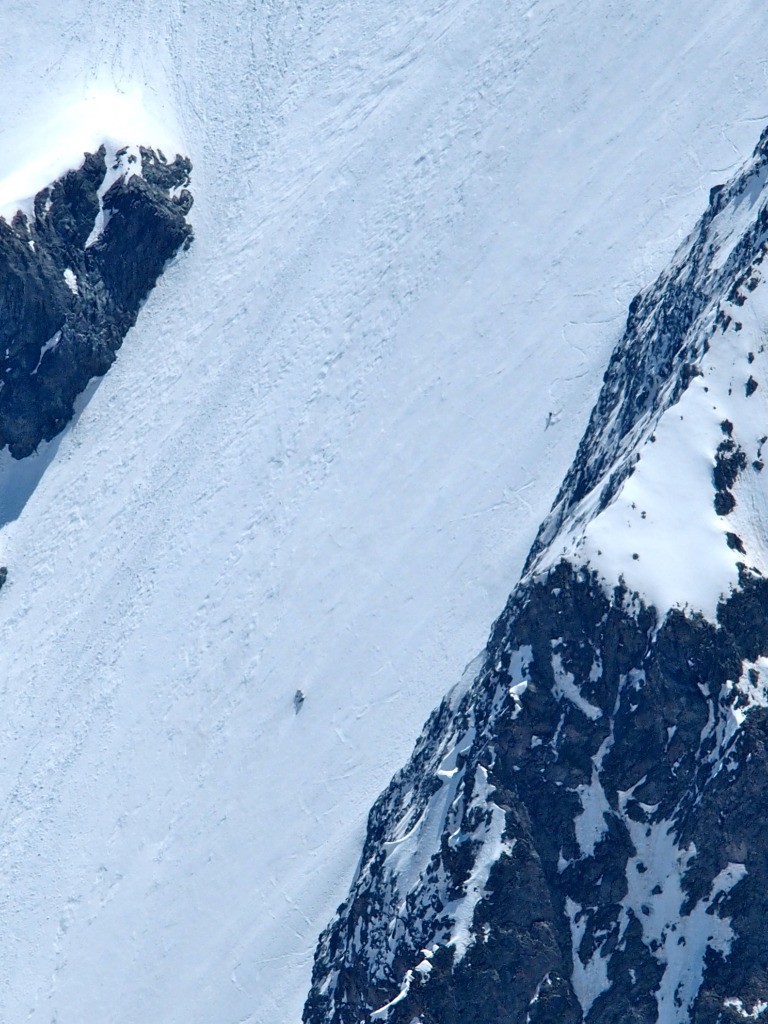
37	151
323	452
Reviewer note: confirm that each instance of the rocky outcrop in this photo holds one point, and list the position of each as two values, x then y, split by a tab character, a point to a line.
73	275
579	836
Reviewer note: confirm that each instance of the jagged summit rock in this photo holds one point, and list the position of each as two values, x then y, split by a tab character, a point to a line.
579	837
73	276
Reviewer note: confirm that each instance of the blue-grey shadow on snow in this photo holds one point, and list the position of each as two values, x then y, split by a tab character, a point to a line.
19	477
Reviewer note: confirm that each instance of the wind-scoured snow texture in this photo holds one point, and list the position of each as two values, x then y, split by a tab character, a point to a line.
322	456
74	272
604	773
622	876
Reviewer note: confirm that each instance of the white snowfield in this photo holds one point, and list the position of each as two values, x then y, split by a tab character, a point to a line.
324	450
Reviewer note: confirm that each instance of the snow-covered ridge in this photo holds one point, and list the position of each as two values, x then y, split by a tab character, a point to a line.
591	777
638	501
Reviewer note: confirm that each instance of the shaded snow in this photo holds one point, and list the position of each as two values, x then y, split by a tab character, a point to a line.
47	347
589	979
591	824
565	687
655	897
492	846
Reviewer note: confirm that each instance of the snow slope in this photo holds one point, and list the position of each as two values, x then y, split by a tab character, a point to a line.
321	457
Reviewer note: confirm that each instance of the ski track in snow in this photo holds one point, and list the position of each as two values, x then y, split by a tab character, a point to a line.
321	456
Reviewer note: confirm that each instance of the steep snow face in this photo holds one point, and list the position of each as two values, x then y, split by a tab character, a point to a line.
323	453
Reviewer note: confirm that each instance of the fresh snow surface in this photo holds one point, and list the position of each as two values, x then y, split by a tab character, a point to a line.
323	452
665	515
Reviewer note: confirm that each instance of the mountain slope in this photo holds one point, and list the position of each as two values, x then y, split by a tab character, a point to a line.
323	453
579	835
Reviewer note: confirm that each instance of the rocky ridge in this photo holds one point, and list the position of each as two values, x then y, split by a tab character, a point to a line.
670	328
75	269
579	835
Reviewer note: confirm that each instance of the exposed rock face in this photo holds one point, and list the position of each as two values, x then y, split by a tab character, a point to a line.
580	835
73	277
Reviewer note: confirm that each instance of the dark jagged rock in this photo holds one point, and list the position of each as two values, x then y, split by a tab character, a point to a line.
580	834
730	460
73	277
630	827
